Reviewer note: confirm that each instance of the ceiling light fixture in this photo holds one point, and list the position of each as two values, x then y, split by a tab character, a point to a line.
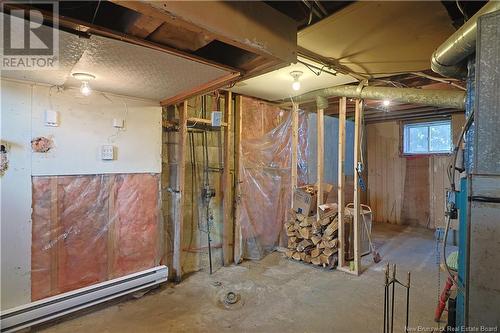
386	102
296	82
85	89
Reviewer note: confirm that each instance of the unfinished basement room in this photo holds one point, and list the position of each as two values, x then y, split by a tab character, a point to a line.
250	166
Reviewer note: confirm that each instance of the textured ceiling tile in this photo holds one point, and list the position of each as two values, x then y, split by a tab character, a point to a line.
71	48
132	70
121	68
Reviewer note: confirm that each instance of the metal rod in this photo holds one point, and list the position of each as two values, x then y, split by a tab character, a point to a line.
407	302
392	296
385	296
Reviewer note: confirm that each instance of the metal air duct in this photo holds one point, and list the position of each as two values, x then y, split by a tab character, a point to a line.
439	98
448	59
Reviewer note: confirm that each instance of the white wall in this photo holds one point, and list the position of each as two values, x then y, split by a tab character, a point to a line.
85	125
16	195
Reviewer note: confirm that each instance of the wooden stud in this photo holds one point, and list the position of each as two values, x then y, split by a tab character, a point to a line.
195	120
54	234
237	188
179	204
111	227
295	144
201	89
227	226
320	125
357	195
341	179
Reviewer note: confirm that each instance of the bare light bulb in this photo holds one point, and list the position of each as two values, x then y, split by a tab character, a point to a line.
386	102
85	88
296	85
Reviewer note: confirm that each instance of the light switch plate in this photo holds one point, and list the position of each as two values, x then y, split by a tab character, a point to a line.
216	118
51	118
118	123
107	152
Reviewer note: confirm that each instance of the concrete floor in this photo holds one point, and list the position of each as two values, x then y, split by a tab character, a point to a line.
279	295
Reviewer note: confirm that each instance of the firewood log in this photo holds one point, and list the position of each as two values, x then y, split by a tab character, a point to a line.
305	232
315	252
303	244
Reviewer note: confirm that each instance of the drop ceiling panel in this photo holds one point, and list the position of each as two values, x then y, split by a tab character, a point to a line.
381	37
122	68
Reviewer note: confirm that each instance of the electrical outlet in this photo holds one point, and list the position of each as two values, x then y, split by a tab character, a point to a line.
107	152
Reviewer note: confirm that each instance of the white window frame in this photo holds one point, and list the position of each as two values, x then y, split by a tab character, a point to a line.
428	124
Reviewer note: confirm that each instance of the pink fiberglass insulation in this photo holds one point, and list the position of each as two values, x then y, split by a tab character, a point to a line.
137	229
92	228
266	174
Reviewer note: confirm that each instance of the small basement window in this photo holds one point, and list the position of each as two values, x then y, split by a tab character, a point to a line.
432	137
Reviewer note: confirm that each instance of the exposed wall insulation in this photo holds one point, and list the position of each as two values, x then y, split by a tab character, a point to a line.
265	174
84	125
194	256
89	229
405	189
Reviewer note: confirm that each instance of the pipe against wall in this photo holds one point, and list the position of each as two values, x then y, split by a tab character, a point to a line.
448	58
439	98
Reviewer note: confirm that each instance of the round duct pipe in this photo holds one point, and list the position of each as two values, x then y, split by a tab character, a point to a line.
439	98
448	59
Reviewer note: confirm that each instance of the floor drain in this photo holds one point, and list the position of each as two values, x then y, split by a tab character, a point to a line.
231	298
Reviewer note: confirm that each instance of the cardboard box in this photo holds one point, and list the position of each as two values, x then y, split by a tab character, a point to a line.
305	198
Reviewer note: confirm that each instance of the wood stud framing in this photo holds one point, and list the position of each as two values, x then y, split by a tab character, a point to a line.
179	211
357	195
295	144
321	145
227	226
341	180
237	181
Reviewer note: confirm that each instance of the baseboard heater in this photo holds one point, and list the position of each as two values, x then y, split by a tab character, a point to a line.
56	306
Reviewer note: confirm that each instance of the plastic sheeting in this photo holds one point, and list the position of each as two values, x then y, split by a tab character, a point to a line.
266	179
92	228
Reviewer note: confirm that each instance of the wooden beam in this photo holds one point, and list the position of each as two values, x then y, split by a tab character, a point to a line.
54	236
143	26
204	88
86	28
111	227
203	121
357	193
237	188
252	26
227	226
341	180
179	203
295	145
320	125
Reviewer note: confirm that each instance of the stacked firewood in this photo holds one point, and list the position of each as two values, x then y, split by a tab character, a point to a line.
311	240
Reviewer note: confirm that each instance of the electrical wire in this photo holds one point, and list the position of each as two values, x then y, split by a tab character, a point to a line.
452	166
451	177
